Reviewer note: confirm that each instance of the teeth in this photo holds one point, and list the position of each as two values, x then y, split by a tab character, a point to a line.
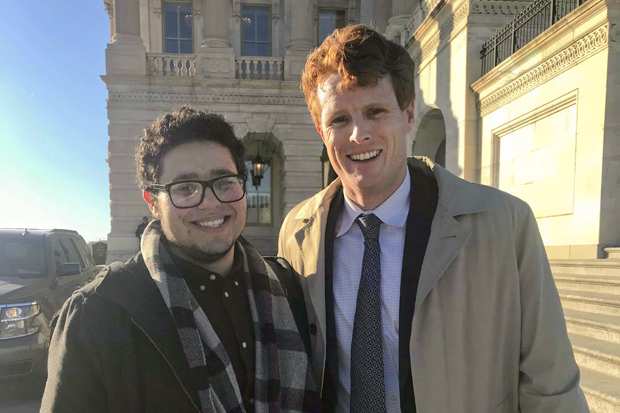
211	224
364	156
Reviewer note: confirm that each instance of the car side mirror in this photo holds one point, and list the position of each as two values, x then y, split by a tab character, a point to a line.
68	268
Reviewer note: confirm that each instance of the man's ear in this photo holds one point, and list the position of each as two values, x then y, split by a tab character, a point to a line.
410	113
151	199
320	131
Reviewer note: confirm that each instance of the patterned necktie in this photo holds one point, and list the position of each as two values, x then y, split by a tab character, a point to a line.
367	378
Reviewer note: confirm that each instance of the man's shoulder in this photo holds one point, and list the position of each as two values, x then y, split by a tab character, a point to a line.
113	279
308	207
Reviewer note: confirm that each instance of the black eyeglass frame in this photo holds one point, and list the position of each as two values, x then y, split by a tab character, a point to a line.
205	185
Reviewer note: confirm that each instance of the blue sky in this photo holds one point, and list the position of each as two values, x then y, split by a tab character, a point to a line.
53	119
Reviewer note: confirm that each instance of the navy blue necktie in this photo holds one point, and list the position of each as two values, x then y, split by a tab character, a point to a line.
367	376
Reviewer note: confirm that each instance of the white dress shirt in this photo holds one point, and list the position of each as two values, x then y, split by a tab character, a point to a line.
348	255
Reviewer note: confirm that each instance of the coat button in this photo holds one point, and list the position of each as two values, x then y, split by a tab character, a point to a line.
313	329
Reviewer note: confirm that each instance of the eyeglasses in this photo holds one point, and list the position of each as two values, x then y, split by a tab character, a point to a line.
188	194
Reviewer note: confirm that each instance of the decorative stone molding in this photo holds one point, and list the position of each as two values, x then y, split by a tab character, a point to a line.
351	15
445	31
522	121
614	33
109	7
155	5
236	10
550	68
424	9
197	9
211	98
275	11
498	7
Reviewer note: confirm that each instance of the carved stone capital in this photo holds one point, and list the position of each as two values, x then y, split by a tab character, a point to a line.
109	7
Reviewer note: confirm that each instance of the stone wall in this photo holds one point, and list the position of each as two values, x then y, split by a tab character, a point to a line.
544	115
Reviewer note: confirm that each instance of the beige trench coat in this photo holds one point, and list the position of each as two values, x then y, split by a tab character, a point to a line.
488	332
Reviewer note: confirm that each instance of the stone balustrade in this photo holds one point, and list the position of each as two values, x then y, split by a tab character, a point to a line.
259	68
170	65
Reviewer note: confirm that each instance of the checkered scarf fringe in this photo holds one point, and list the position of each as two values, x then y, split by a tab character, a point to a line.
284	380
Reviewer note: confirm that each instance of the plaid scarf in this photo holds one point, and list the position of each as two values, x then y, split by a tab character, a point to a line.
284	380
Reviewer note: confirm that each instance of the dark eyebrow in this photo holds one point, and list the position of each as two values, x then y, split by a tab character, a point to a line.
185	176
222	171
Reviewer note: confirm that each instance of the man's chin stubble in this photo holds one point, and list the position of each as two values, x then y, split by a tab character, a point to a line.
200	256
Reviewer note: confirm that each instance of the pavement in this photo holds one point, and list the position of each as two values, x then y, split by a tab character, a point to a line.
22	398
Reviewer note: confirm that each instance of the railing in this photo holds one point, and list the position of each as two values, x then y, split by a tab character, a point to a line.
525	27
259	68
170	65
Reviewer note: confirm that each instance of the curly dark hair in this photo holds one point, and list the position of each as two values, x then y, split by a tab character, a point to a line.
361	56
178	127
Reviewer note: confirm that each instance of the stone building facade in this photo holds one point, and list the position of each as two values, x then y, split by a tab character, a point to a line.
540	124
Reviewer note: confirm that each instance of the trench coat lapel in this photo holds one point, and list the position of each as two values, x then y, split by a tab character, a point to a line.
310	239
448	236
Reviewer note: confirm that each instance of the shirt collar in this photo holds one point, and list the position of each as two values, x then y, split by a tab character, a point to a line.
393	211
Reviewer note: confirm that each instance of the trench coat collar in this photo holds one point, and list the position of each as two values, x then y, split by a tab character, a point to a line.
448	236
456	195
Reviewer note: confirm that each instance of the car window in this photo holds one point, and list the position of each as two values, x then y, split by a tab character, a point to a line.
22	258
71	251
60	255
84	253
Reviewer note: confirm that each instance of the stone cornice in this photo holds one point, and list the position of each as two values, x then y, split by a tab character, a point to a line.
498	7
563	60
589	14
206	98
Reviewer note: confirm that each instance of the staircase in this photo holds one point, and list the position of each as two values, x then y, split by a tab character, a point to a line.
590	294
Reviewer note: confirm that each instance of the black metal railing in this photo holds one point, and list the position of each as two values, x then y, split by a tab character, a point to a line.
535	19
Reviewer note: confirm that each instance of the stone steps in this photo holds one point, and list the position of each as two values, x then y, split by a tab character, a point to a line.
607	267
599	326
594	283
602	393
588	301
590	295
598	355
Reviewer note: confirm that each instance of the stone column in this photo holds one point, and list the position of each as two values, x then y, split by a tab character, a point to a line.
301	25
302	39
401	12
216	23
216	59
126	54
127	16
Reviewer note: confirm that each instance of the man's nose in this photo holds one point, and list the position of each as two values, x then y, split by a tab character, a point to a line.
209	200
361	132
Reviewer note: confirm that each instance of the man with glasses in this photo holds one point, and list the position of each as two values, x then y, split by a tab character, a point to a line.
197	321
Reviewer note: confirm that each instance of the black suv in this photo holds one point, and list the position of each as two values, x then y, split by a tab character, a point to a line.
39	270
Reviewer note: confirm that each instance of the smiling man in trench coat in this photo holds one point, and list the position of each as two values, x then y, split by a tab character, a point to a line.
470	318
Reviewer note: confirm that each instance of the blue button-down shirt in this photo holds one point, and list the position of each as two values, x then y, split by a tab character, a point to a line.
348	254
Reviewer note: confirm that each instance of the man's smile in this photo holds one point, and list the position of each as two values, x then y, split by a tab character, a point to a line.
361	157
211	223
